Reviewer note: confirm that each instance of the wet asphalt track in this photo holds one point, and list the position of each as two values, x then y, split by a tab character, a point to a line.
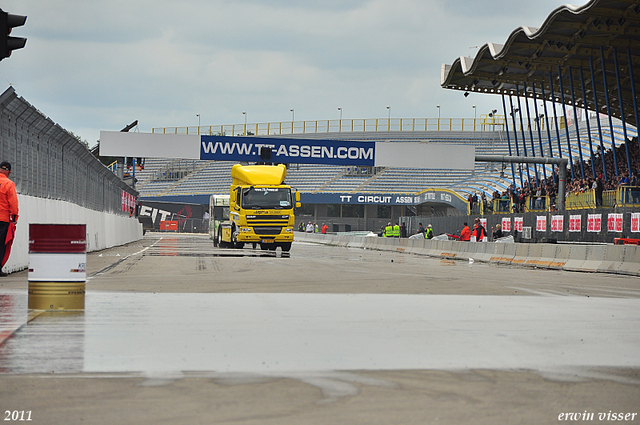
173	306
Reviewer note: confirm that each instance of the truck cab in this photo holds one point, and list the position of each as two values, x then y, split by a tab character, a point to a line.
261	208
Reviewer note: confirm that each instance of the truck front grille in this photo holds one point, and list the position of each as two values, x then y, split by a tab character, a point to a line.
257	220
267	230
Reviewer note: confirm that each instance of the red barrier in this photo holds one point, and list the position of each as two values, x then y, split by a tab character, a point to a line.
169	225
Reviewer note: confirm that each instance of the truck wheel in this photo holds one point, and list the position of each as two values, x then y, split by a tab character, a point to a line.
221	244
234	242
286	247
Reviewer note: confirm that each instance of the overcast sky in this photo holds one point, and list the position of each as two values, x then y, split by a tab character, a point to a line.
94	65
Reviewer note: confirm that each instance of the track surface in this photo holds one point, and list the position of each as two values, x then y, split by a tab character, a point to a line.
177	331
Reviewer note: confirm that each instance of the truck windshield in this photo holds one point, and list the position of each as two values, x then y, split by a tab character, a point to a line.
266	198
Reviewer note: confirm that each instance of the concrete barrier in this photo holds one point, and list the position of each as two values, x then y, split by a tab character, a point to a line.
593	259
577	257
104	230
623	259
612	258
548	258
631	261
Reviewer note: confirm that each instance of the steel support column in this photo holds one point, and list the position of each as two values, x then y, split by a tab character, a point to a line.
586	111
555	114
538	121
595	100
506	125
533	150
575	118
515	136
524	139
606	96
633	95
566	123
624	121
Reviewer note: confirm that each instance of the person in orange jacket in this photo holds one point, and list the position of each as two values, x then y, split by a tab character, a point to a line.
465	235
479	232
324	229
8	207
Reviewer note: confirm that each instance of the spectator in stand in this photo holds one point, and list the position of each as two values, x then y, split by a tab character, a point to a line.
497	233
599	188
465	235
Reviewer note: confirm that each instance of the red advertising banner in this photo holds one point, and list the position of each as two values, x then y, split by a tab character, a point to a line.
128	201
506	224
614	222
635	222
518	223
541	223
594	223
575	223
557	223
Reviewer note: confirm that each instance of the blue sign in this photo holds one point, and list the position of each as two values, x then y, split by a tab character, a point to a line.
360	198
287	151
433	196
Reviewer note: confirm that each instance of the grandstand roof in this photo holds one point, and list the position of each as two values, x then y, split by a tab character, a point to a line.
573	41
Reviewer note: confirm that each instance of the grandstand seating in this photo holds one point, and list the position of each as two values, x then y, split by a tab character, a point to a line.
207	177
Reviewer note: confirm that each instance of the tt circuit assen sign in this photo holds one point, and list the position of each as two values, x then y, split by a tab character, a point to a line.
429	196
416	154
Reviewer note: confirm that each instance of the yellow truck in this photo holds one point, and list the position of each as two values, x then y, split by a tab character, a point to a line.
260	209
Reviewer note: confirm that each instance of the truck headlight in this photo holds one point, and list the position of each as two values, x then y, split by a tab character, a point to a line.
245	229
288	230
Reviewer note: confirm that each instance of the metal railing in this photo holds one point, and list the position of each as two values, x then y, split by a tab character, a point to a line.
48	162
482	124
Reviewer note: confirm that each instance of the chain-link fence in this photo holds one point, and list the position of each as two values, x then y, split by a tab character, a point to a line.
48	162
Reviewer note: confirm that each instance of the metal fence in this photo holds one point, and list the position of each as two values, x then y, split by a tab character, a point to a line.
48	162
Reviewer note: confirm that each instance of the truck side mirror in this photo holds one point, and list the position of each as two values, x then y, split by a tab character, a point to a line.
298	204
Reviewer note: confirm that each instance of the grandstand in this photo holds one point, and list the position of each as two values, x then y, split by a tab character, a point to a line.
170	177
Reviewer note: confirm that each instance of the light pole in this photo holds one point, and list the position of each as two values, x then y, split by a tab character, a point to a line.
340	109
198	115
293	114
438	106
389	118
245	122
474	116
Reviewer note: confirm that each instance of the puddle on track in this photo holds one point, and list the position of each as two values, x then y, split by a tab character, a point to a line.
168	333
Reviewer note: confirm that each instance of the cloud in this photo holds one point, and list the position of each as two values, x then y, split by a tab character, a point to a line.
95	66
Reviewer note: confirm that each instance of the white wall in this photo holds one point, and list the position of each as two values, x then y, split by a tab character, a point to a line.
103	230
